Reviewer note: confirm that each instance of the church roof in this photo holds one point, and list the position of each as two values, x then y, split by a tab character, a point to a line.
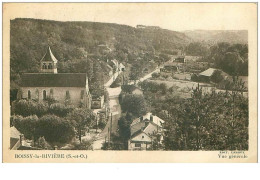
48	56
54	80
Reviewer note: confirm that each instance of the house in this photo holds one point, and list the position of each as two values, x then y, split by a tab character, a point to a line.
71	88
137	91
140	26
206	75
97	102
17	141
180	59
118	67
169	68
144	131
121	67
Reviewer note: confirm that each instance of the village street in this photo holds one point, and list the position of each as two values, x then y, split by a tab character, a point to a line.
115	110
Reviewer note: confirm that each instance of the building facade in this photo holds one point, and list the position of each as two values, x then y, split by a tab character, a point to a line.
68	88
144	130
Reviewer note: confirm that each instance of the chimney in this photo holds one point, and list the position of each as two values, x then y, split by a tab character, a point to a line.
151	118
21	139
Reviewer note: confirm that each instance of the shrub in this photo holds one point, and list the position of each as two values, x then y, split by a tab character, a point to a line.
55	129
29	107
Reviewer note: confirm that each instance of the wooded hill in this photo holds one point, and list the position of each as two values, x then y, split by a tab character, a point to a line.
71	40
75	42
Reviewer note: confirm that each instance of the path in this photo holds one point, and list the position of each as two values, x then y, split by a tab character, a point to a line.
115	109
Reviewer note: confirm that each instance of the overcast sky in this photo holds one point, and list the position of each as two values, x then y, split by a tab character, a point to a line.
178	16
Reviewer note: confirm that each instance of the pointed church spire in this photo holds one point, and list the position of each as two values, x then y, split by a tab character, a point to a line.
48	56
49	62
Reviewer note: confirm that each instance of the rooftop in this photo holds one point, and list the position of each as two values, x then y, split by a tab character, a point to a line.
156	120
54	80
48	56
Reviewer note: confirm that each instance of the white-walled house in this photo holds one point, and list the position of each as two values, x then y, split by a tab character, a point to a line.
143	131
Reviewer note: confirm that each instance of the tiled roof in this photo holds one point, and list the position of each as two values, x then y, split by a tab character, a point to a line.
209	72
48	56
158	121
54	80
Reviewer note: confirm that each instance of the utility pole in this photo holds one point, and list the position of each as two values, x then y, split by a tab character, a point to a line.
96	123
111	124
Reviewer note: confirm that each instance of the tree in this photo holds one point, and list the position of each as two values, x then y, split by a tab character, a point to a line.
210	121
124	126
60	110
232	59
29	107
216	77
197	49
26	125
134	104
81	118
55	129
135	72
155	75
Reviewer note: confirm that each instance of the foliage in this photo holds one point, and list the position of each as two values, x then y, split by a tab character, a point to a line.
136	72
197	49
124	127
60	110
216	77
155	75
118	82
42	143
55	129
29	107
128	88
84	145
134	104
232	59
211	121
26	126
80	119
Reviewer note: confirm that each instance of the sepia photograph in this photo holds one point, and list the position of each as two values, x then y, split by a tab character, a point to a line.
143	83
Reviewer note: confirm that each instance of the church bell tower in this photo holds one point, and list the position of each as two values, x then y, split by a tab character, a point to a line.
49	63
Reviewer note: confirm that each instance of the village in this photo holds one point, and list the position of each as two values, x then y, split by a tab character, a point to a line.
179	72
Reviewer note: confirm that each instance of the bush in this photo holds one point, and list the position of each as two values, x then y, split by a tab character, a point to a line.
30	107
155	75
55	129
60	109
26	125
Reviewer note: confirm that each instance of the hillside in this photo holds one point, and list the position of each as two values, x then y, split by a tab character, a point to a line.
212	37
73	40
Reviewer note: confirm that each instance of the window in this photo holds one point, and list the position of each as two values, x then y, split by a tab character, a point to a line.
50	66
142	137
67	95
44	66
137	145
51	93
44	95
82	94
29	94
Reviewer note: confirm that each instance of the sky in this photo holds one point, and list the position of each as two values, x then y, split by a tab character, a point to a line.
173	16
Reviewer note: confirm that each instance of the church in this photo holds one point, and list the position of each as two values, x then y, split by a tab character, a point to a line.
68	88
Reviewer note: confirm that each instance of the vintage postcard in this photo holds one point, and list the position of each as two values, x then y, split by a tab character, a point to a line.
130	82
